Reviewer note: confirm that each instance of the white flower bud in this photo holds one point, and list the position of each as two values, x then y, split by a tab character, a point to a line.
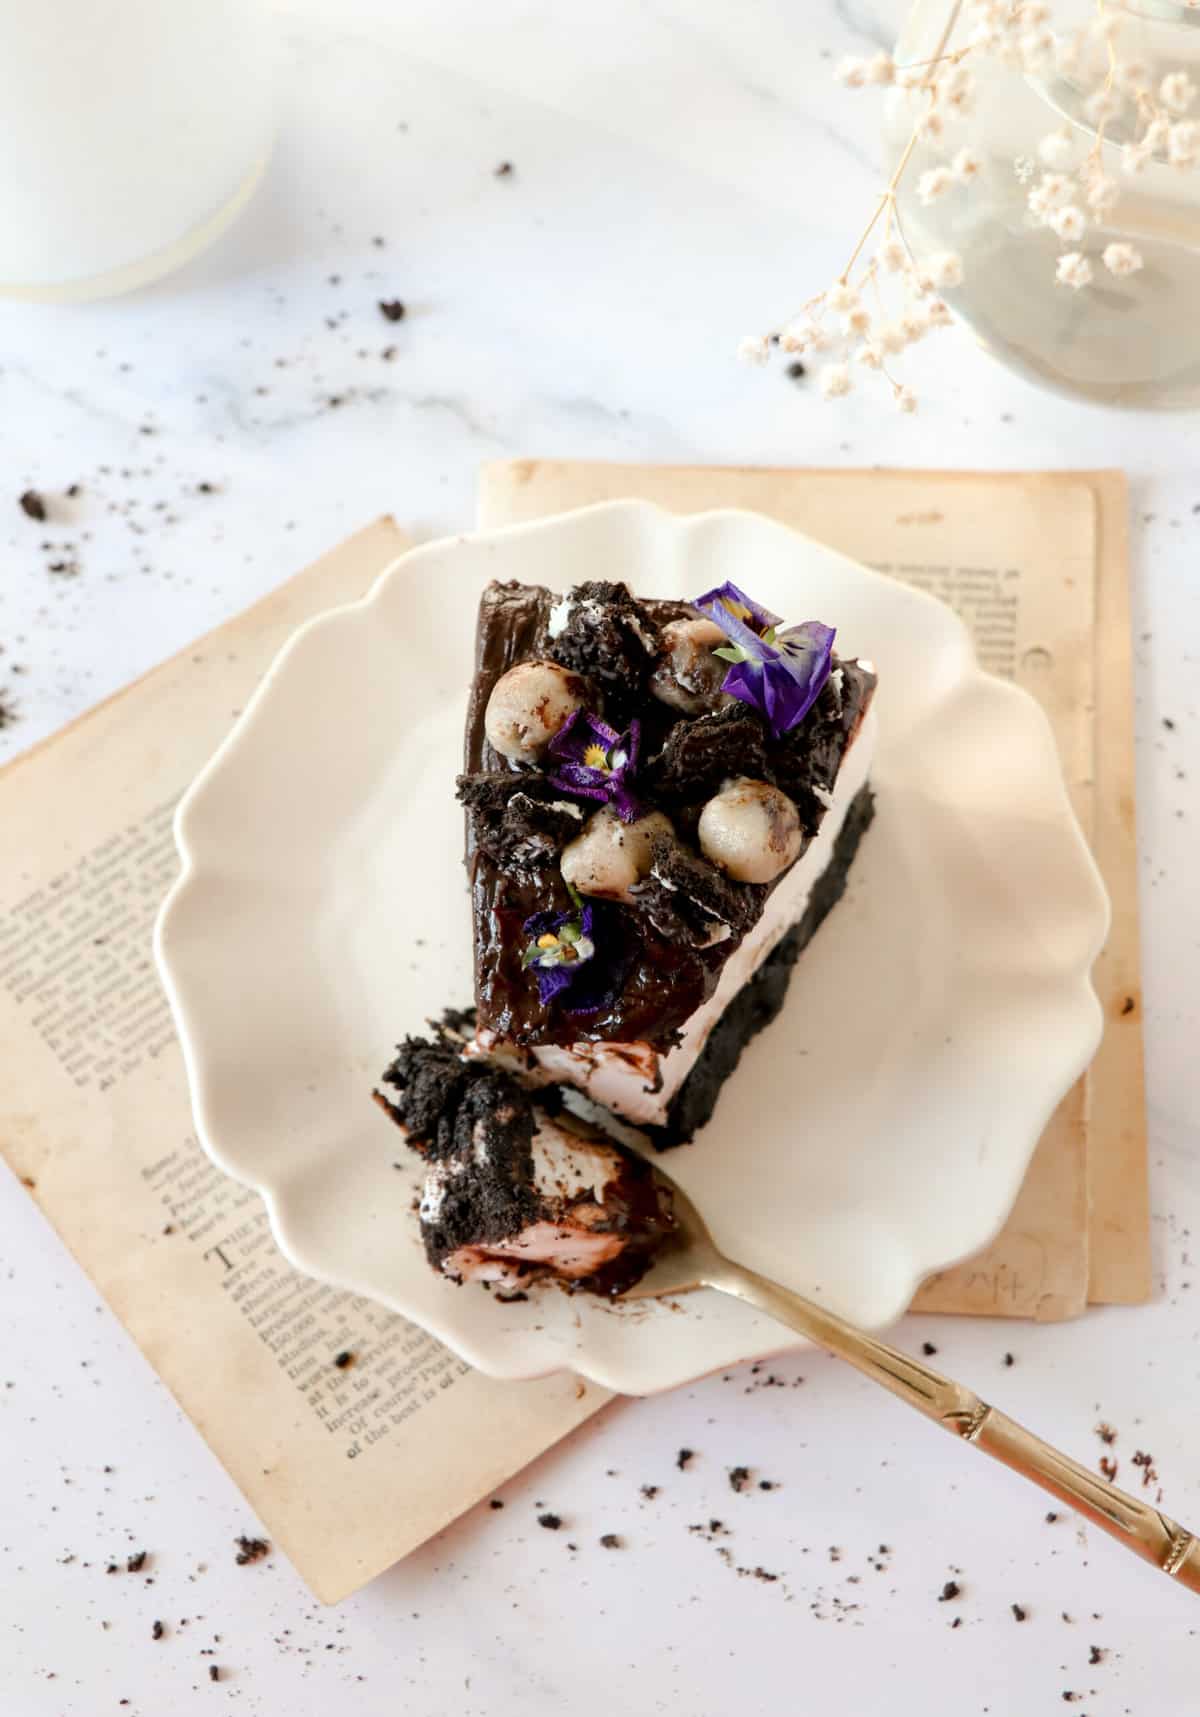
834	381
965	166
1177	92
1057	149
751	831
934	183
1183	143
841	296
1068	223
906	399
1122	259
851	71
880	69
610	856
1073	270
754	349
527	707
943	270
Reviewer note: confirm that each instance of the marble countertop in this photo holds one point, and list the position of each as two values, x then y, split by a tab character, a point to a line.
680	174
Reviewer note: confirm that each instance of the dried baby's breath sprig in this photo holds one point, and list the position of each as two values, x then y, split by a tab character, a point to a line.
881	304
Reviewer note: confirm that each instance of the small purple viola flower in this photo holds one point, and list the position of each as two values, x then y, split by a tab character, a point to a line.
780	674
596	762
579	955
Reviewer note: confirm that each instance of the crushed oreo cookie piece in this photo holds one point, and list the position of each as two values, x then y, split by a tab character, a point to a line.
689	902
610	638
250	1550
699	755
392	309
32	505
521	821
551	1522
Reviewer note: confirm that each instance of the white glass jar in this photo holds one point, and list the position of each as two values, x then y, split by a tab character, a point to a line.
133	131
1124	339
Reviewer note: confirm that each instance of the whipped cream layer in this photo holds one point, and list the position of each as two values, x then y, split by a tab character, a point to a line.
638	1082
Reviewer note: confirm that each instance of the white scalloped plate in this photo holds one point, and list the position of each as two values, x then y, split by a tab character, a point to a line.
877	1132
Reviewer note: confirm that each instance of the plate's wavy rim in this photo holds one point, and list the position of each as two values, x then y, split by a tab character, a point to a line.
1086	1009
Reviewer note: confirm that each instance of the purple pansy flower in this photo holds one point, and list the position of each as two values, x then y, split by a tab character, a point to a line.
580	952
594	761
780	674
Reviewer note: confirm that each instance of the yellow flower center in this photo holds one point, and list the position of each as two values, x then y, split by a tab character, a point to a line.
596	757
737	609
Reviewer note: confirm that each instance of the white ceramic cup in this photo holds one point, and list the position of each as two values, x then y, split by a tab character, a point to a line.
133	132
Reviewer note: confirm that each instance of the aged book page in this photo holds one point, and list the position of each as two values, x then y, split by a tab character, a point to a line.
349	1467
1017	554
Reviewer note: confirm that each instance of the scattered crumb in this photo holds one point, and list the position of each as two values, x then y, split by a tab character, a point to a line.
135	1563
8	713
768	1484
928	1349
949	1591
214	1674
157	1631
503	171
250	1550
1105	1432
957	1622
611	1541
1095	1654
1128	1005
1009	1359
683	1457
495	1503
1051	1518
551	1522
344	1360
797	370
739	1478
650	1491
1019	1612
1070	1698
32	505
1167	722
1108	1468
392	309
1146	1462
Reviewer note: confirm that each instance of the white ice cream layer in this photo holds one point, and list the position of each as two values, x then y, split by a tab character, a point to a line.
638	1082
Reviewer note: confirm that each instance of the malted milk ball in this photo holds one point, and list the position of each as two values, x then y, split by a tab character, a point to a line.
688	676
610	856
527	707
751	831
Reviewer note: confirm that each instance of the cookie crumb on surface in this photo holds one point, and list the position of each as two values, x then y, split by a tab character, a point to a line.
551	1522
32	505
683	1457
393	309
611	1541
928	1349
344	1360
739	1478
503	171
950	1590
1019	1612
250	1549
